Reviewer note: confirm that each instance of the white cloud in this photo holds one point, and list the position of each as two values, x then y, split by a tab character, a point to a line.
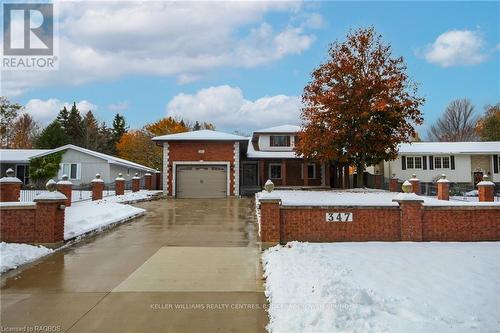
45	111
226	107
120	106
457	47
181	39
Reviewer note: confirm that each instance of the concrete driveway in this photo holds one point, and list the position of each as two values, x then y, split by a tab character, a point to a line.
187	266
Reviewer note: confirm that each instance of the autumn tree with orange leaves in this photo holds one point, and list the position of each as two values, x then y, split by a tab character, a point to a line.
359	105
137	146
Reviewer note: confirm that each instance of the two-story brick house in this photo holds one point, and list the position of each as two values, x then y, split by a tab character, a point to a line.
211	164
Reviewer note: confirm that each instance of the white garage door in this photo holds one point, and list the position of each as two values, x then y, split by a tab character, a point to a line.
201	181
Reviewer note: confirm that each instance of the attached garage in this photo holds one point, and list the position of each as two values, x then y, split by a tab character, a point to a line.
201	181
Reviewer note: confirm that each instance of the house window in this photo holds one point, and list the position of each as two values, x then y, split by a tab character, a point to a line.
409	163
442	162
70	169
418	162
275	171
311	171
279	141
414	162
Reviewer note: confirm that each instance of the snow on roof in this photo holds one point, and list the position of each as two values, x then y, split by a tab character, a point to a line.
252	153
110	159
200	135
19	155
280	129
450	147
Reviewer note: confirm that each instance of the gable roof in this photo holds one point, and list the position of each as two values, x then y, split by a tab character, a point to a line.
108	158
201	135
19	155
491	147
280	129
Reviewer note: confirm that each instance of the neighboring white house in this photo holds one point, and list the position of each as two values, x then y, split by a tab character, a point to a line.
80	164
462	162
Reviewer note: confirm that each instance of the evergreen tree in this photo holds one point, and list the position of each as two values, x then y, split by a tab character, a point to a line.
106	139
62	117
75	129
91	136
52	136
196	126
119	127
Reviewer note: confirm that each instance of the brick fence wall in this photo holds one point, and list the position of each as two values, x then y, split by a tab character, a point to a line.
410	221
18	223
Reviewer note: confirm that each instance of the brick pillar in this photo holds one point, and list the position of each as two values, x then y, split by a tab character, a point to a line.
262	173
10	187
136	183
443	187
415	184
148	181
49	218
305	174
65	187
97	187
283	172
270	220
486	190
119	185
410	205
394	184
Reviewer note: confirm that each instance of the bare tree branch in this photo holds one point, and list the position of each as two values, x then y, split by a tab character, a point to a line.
457	123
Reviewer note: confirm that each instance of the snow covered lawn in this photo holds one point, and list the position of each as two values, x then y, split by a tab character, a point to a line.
83	217
375	287
354	197
13	254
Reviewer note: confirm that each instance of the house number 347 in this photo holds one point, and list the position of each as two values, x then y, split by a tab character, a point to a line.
338	217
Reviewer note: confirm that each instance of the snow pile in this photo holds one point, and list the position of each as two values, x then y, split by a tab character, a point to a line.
84	217
13	254
375	287
356	197
131	196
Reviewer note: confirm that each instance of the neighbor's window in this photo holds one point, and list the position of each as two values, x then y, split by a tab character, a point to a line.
418	162
311	171
446	162
441	162
70	169
409	163
279	141
275	171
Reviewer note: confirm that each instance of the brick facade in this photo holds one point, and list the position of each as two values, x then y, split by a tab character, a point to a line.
410	221
199	152
308	224
17	223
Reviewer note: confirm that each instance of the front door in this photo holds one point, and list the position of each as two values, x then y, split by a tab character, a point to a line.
250	175
478	176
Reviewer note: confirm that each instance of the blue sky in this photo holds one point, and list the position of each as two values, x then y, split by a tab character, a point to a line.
242	66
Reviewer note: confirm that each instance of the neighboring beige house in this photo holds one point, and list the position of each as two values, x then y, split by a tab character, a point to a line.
462	162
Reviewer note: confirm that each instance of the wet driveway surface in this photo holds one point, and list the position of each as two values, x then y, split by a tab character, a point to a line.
186	266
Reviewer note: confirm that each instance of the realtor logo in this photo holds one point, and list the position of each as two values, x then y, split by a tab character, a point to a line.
28	36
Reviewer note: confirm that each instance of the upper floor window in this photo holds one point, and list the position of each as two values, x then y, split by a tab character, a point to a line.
279	141
441	162
414	162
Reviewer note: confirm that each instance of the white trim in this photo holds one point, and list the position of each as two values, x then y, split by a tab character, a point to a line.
165	167
236	185
315	173
228	172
